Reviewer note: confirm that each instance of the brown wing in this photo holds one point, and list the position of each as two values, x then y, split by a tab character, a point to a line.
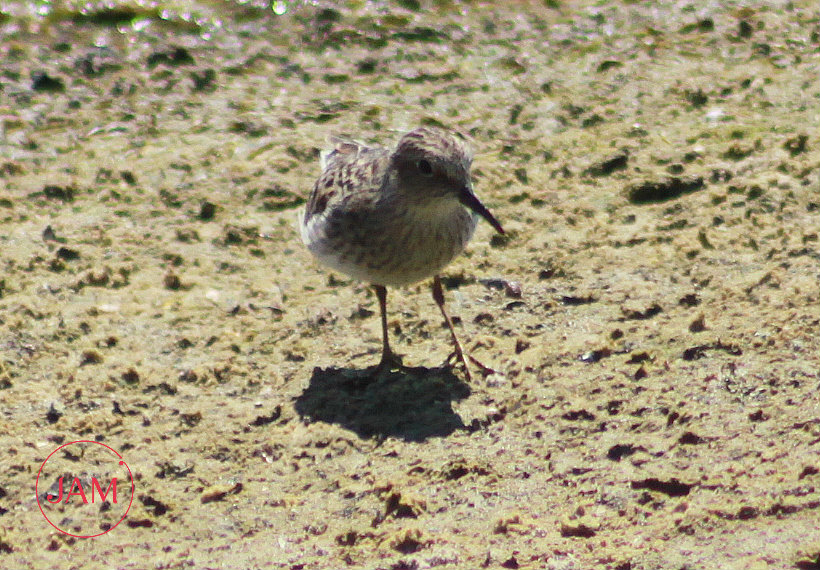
349	169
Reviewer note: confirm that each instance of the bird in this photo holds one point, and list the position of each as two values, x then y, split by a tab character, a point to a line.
395	216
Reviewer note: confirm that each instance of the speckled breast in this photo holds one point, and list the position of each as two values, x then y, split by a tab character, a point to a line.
395	250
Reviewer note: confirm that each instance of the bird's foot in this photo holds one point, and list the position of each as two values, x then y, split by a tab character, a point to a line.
457	358
390	361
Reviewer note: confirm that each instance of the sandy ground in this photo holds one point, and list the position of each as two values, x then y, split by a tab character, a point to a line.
654	401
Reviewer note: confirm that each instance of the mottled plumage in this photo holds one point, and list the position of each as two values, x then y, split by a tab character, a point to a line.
394	217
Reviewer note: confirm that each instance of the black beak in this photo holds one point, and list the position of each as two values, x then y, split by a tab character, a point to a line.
471	202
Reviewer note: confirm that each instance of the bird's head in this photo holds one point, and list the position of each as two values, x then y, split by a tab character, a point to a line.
434	164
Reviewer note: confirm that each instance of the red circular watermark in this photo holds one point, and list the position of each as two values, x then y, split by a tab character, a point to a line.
66	499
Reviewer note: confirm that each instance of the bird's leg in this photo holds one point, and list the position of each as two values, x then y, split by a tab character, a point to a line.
389	359
438	297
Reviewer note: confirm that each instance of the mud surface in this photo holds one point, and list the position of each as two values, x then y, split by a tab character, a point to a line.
649	325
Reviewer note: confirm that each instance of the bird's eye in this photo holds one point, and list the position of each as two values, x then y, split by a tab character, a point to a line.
425	167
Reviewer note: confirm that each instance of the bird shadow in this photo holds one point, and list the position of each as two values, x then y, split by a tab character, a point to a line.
413	404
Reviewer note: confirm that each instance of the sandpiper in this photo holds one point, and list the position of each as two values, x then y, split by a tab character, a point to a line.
395	216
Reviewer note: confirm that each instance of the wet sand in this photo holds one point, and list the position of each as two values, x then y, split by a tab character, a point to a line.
653	395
